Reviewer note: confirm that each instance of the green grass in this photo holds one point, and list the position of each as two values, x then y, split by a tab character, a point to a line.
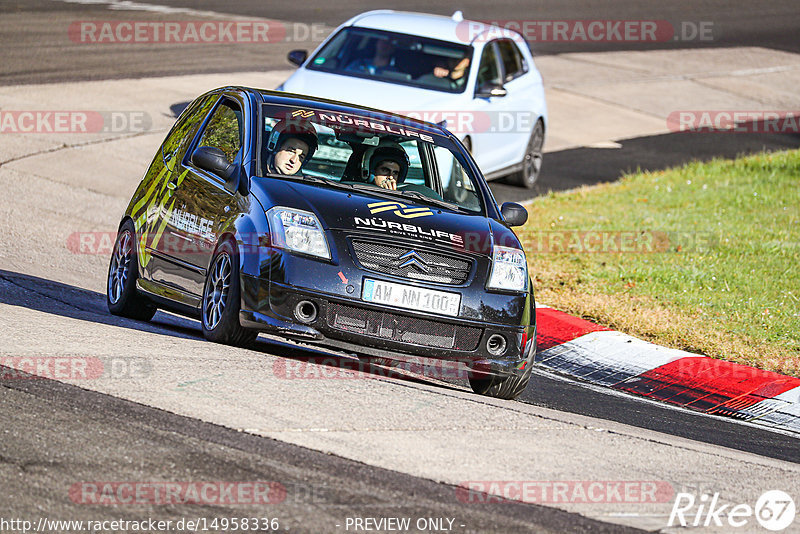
724	279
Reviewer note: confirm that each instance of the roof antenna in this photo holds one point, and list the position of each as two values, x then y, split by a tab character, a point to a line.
458	16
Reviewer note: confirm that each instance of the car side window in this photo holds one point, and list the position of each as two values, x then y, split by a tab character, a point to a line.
186	126
513	62
224	130
416	175
488	72
457	187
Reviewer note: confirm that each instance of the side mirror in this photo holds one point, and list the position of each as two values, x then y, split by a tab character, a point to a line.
212	159
490	89
514	214
297	57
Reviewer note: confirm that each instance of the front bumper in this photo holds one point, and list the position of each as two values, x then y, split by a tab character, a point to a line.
352	325
273	285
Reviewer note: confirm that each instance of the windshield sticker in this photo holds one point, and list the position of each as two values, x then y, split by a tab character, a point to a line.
360	124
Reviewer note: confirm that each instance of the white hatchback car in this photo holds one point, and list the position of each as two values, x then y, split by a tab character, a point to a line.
479	79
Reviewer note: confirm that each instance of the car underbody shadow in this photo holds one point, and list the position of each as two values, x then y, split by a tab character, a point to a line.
302	360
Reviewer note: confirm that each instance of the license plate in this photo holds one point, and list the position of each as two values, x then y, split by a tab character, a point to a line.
410	297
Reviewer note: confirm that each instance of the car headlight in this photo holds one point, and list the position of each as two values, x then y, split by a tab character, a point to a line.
298	231
509	269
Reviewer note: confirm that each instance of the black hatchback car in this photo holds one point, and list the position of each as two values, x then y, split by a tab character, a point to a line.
270	212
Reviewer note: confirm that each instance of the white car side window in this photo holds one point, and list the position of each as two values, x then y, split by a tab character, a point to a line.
513	63
489	72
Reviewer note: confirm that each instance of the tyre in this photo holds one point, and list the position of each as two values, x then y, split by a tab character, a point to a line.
221	300
506	387
532	162
123	271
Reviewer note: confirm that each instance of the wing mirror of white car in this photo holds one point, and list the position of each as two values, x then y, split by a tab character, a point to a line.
514	214
297	57
489	90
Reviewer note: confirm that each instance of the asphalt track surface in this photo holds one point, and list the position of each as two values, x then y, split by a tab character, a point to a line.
38	49
89	436
738	23
56	435
568	169
104	438
545	390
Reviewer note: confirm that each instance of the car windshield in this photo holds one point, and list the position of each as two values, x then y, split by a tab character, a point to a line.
396	58
394	159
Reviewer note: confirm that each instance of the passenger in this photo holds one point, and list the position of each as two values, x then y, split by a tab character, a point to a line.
296	143
447	73
455	73
388	165
386	173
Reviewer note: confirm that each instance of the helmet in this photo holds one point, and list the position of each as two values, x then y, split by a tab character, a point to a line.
386	150
286	129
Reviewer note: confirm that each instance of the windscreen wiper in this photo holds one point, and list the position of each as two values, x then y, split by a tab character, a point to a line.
307	178
304	177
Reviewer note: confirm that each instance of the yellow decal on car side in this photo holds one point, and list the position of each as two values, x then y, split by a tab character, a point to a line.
145	212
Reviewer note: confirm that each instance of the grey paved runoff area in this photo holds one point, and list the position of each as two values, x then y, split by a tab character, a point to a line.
170	406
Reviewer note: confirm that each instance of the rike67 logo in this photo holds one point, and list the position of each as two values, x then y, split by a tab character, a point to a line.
774	510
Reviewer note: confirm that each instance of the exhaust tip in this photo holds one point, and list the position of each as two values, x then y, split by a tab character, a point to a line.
496	345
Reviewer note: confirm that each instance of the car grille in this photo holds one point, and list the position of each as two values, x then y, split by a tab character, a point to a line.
443	269
395	327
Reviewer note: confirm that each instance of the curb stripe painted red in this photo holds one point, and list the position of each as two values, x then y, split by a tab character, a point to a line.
590	352
709	385
555	327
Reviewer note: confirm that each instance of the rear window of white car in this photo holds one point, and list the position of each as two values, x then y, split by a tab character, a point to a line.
396	58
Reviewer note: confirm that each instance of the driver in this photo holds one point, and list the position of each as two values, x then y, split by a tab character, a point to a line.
382	60
386	165
295	141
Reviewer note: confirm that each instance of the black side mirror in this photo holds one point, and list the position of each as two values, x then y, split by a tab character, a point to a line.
297	57
514	214
212	159
490	89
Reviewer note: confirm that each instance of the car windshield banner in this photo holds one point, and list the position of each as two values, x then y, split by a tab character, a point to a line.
361	124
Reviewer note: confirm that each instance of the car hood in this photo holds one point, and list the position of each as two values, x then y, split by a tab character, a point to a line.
392	97
385	216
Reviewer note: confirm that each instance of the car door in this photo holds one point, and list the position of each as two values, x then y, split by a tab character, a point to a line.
519	87
202	202
489	145
153	209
